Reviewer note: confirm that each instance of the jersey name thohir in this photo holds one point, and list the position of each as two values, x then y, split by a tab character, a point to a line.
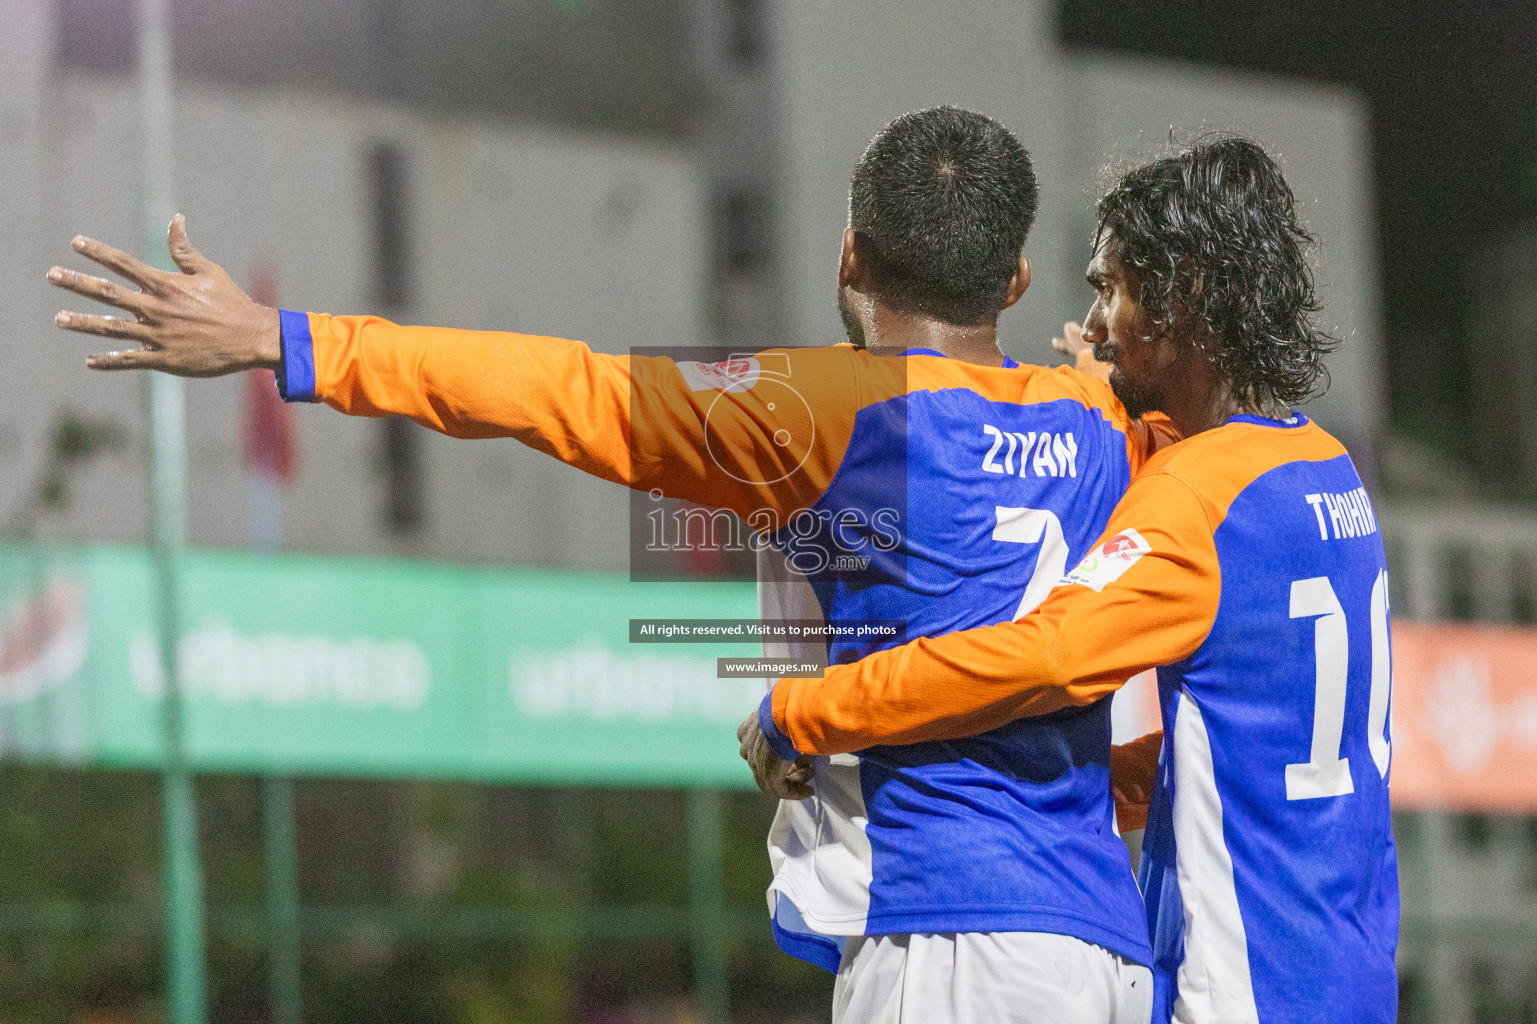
1269	866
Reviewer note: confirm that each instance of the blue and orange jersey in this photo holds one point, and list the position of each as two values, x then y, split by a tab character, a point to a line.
1245	564
939	493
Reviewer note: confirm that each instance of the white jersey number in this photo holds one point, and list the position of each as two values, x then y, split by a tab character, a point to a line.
1034	526
1326	773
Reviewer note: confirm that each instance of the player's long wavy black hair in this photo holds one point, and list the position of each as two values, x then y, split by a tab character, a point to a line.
1212	233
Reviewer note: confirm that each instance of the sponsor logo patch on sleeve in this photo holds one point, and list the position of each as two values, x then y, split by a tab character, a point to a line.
1106	563
726	375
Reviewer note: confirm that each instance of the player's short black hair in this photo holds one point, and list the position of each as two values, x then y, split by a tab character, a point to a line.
1212	233
943	199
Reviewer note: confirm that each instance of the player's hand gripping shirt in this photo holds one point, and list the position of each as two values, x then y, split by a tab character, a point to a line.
1244	563
922	489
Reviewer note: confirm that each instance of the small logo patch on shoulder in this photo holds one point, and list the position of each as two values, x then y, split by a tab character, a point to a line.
1106	563
726	375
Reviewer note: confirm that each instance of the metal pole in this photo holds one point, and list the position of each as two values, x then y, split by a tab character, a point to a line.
183	873
282	900
188	996
706	901
279	834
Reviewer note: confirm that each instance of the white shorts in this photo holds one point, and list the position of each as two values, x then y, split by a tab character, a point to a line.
992	977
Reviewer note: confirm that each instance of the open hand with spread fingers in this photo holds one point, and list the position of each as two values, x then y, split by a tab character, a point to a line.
195	322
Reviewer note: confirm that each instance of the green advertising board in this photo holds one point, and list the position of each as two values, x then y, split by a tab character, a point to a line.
329	666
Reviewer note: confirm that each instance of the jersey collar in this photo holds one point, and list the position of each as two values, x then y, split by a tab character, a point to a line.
1008	360
1295	420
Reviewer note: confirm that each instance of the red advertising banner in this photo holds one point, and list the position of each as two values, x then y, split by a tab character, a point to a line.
1464	717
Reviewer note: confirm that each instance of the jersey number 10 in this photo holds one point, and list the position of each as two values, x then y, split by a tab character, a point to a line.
1326	773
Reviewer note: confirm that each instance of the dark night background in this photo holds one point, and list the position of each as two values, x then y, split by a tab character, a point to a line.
1452	90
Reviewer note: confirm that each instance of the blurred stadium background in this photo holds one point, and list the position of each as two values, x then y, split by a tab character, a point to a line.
434	783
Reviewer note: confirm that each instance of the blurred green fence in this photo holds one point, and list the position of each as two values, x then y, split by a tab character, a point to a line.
312	665
320	666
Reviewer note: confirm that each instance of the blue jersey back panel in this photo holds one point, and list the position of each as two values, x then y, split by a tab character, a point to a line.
1011	830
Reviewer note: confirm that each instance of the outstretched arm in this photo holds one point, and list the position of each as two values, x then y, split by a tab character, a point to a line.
1147	596
703	433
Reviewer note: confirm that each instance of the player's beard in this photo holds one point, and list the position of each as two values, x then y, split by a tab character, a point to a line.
1136	400
851	323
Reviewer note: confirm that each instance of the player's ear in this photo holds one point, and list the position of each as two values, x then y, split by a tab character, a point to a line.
852	269
1018	283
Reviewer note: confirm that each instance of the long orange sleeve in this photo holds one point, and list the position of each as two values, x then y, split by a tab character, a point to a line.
765	432
1147	596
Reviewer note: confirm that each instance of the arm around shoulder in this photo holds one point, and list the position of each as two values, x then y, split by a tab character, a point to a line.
1146	596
